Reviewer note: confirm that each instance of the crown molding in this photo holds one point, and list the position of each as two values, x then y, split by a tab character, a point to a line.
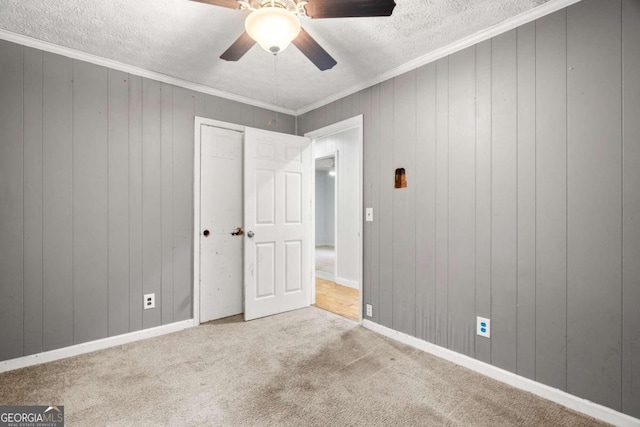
504	26
104	62
500	28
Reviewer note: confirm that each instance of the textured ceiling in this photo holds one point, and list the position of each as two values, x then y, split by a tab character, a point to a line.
184	39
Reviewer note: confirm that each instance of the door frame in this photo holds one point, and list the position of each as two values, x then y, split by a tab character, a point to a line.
199	122
344	125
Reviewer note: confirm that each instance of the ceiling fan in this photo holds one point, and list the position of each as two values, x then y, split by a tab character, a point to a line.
274	24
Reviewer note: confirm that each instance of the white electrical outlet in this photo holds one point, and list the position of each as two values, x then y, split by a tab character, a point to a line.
484	327
149	301
368	215
369	310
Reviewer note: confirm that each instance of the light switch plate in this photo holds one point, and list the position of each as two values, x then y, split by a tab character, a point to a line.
368	214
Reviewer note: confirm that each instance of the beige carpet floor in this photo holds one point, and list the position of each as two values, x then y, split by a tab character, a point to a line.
303	368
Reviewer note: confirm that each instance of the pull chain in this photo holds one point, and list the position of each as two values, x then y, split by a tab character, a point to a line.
275	79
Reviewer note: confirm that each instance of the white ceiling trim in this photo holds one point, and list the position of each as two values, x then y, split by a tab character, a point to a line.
504	26
97	60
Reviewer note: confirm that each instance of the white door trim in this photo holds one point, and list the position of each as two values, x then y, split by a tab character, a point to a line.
199	122
352	123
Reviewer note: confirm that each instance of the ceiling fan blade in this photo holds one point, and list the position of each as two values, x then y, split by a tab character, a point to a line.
317	9
238	48
313	51
231	4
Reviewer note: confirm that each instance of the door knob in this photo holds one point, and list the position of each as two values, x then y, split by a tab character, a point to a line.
206	233
250	234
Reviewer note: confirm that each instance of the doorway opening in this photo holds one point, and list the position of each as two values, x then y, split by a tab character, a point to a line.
337	218
325	198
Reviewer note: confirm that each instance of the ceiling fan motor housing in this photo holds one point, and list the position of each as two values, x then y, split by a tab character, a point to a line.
273	27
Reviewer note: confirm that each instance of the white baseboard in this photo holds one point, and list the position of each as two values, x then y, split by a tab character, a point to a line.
553	394
88	347
318	244
325	276
348	283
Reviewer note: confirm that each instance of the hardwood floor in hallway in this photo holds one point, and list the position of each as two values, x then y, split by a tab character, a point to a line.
337	299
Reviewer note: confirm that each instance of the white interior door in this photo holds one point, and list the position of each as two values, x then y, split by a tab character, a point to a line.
277	218
220	214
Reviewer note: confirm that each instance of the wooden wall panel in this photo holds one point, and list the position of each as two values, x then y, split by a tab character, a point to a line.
483	193
442	200
425	182
630	208
356	104
594	202
90	208
385	212
369	199
57	202
166	197
33	182
12	205
262	118
118	198
461	325
151	199
504	201
526	217
183	128
135	203
374	144
551	200
404	204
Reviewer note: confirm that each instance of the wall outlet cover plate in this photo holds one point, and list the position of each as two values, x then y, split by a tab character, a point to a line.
483	327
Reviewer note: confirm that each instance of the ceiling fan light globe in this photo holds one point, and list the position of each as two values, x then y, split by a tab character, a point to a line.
273	28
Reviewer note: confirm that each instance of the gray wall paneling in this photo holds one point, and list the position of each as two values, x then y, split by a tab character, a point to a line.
551	200
32	201
631	208
403	205
97	198
90	219
135	203
11	208
385	212
118	200
425	183
594	196
369	198
461	325
526	208
57	201
372	190
356	104
151	199
483	193
555	195
183	113
504	201
166	220
442	200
